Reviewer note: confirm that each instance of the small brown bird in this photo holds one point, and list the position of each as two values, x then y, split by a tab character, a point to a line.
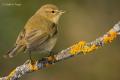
39	33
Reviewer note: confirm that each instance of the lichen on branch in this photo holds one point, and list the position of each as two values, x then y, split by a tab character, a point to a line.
81	47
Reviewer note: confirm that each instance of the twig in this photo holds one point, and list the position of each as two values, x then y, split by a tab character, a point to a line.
78	48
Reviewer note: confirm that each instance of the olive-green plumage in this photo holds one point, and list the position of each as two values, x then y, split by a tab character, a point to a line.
39	33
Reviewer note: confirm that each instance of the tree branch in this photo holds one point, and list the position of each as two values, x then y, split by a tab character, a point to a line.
78	48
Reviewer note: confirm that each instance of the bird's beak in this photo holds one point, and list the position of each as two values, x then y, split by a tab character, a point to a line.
62	11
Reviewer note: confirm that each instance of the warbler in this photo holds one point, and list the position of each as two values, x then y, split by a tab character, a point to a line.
39	33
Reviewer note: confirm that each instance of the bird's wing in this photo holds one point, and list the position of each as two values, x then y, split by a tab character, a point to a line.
38	35
33	38
36	38
20	39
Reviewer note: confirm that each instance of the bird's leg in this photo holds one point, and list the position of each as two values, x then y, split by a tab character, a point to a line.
51	57
30	57
51	53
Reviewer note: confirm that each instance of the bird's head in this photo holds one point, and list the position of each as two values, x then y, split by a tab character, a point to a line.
51	12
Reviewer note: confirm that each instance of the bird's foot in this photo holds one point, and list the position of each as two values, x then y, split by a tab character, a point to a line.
32	62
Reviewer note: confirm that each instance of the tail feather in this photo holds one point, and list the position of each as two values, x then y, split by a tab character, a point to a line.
12	52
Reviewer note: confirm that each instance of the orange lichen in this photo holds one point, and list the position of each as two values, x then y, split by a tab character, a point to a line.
50	58
11	74
109	38
33	67
88	49
77	47
82	47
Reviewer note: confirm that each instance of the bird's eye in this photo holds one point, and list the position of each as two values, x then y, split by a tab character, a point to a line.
53	11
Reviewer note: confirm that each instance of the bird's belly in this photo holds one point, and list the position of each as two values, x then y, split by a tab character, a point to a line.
48	45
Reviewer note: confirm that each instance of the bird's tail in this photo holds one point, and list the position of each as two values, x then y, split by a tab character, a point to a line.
12	52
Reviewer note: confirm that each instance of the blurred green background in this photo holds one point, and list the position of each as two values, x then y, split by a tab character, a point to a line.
83	20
